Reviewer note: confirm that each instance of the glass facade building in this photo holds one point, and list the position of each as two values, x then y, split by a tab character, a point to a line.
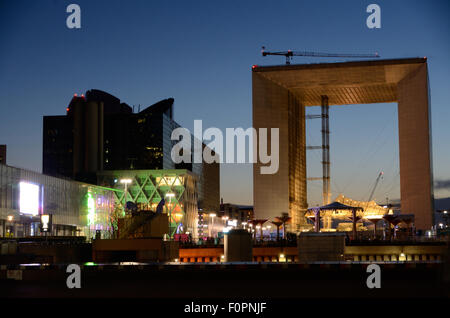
77	209
146	189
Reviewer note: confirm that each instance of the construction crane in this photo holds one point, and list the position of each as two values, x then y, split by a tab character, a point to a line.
289	54
380	175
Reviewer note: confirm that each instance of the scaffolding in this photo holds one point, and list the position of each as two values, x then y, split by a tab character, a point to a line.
326	191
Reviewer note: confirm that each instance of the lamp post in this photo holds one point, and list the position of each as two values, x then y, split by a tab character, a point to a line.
212	215
126	182
374	219
225	219
170	195
258	227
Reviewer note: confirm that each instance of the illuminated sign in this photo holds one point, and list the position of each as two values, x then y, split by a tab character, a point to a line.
29	198
46	222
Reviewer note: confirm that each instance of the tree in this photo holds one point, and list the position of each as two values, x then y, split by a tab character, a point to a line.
277	224
284	218
114	220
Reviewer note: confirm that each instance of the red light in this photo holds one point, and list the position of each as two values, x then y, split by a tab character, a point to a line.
82	95
75	95
67	109
254	66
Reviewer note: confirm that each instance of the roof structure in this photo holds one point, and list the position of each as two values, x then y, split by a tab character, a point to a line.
335	206
358	82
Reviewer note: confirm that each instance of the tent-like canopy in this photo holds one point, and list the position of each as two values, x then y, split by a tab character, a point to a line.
335	206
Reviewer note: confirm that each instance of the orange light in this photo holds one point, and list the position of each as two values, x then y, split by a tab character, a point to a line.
67	109
75	95
254	66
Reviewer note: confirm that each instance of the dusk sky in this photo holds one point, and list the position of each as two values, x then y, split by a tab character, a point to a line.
201	53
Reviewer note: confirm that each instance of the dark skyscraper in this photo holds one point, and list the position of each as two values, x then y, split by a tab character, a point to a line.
99	132
3	154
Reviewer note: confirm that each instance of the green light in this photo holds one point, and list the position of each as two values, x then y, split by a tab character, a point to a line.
91	208
90	264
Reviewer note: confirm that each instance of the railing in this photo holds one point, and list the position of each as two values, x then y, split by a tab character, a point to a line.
48	240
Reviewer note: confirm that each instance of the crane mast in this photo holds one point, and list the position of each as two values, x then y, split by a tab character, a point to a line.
380	175
375	186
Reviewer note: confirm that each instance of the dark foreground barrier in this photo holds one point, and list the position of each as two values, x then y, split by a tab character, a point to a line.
331	280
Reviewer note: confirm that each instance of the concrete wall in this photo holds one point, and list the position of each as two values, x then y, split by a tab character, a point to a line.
143	250
238	246
314	247
396	253
414	129
270	110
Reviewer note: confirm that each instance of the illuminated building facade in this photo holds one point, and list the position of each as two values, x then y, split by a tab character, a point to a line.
146	188
280	95
100	133
240	213
77	209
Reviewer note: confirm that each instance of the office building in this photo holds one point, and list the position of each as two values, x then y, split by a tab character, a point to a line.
101	133
280	95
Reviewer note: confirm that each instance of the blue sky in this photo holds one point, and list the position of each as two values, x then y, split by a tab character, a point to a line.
201	53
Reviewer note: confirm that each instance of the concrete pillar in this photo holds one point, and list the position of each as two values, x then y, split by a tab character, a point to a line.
238	246
270	110
354	224
414	130
317	221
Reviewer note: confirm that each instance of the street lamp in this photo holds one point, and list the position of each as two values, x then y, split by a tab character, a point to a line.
258	227
126	182
170	195
225	219
212	215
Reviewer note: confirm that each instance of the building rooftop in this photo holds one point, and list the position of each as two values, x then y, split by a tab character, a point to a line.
355	82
